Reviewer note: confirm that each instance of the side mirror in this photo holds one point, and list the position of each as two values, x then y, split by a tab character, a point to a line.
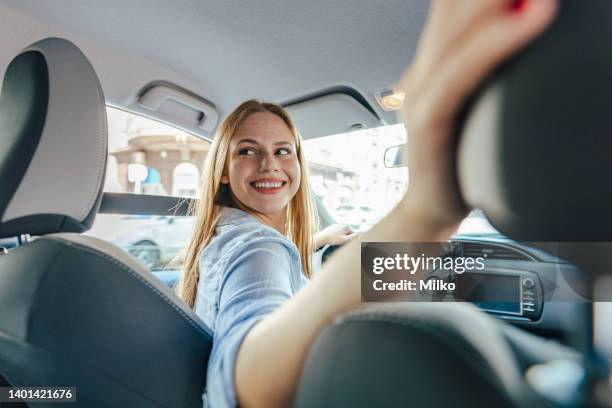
394	156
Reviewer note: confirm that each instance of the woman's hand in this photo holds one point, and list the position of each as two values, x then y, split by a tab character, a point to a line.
336	234
461	43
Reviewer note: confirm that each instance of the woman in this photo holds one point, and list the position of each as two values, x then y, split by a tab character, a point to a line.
252	287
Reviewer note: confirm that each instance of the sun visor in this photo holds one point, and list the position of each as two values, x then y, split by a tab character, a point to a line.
331	114
535	151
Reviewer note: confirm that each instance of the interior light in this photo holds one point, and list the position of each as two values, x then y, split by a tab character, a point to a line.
390	100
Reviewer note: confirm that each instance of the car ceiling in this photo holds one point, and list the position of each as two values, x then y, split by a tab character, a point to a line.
227	51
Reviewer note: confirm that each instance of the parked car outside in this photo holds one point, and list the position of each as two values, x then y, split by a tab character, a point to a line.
359	218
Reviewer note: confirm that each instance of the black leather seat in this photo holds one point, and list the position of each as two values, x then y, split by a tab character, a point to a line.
75	310
417	354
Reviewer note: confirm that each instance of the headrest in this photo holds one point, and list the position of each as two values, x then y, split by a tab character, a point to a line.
535	152
53	141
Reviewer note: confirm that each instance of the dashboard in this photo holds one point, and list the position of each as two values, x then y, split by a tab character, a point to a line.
519	283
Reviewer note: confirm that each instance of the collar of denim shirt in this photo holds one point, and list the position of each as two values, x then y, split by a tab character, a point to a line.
234	216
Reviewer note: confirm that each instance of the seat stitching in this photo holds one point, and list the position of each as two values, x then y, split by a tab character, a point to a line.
104	153
101	165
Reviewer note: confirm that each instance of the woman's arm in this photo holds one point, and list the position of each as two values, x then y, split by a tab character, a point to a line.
270	359
461	43
336	234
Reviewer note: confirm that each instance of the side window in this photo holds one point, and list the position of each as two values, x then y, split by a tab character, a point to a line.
185	180
148	157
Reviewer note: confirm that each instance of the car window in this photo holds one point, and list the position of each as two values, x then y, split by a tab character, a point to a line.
348	174
476	223
148	157
351	186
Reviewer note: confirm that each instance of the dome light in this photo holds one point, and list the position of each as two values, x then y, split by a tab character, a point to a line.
390	100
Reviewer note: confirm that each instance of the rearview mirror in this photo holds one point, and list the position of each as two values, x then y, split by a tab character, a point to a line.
394	156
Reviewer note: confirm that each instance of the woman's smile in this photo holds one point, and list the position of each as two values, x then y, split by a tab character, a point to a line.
268	185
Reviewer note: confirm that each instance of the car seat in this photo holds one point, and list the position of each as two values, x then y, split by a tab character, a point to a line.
76	311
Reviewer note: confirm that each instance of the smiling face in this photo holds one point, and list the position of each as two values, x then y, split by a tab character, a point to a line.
262	166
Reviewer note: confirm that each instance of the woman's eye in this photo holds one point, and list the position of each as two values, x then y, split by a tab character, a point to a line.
247	151
283	152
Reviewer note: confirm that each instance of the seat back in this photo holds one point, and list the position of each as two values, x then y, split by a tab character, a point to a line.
75	310
420	354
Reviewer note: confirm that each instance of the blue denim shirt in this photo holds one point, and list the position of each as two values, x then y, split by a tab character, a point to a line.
246	271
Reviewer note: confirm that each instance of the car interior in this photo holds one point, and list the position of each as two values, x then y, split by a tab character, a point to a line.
532	158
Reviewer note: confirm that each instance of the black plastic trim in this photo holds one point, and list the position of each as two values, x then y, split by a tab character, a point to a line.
343	90
142	204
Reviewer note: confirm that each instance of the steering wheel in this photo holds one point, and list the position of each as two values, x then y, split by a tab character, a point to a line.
328	250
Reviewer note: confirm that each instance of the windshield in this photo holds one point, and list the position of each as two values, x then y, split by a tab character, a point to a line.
476	223
348	178
347	173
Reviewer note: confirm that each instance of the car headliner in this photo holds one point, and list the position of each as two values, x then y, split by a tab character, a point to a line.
227	51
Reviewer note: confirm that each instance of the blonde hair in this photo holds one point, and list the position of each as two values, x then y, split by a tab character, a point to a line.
301	212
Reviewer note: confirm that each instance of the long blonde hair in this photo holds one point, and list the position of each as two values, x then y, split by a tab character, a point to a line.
301	212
